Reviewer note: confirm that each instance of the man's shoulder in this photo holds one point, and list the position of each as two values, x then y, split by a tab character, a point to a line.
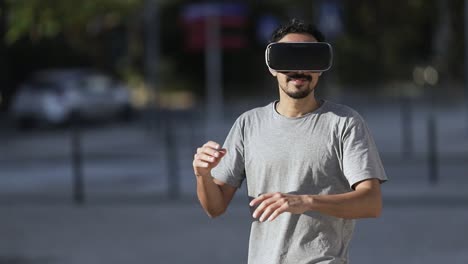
340	110
256	113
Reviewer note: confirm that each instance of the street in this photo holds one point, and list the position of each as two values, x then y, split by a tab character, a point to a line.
129	214
179	232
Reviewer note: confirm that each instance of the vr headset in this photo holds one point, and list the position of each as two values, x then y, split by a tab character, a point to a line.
299	56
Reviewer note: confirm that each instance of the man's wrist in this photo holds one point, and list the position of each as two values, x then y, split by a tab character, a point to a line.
204	176
309	202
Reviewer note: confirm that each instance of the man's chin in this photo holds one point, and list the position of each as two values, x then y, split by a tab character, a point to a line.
298	92
298	95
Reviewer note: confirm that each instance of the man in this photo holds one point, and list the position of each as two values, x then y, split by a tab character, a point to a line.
311	168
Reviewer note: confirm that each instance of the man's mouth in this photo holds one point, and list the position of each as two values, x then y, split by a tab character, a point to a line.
299	78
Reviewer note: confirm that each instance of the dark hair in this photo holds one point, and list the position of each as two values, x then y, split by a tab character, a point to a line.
296	26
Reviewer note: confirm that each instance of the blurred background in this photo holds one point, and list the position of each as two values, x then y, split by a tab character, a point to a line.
103	103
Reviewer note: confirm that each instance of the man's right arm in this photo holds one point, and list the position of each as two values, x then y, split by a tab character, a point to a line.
213	194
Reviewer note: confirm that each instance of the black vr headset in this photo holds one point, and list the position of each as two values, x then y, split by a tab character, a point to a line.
299	56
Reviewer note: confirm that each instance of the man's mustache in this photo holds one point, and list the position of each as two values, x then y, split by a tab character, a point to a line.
299	76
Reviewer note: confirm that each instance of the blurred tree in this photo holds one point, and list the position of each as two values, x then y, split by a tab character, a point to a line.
87	26
381	41
60	33
385	40
75	19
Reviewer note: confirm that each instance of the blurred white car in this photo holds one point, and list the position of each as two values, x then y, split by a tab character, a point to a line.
52	97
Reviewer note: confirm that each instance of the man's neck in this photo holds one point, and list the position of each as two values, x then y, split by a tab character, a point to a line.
290	107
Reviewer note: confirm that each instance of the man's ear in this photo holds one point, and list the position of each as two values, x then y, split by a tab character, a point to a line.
273	72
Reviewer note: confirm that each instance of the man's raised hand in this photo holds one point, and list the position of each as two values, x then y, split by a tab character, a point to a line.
207	157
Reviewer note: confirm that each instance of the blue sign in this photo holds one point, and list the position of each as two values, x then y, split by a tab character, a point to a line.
330	21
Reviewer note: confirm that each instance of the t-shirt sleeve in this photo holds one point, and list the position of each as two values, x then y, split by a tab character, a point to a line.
361	160
231	169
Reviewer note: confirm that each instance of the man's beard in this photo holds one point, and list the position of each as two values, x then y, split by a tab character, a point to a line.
300	94
297	94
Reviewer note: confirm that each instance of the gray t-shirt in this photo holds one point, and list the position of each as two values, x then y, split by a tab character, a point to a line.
324	152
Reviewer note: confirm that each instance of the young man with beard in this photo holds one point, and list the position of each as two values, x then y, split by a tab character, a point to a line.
311	168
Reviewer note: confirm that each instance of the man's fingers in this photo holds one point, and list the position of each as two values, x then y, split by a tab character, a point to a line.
212	144
277	212
200	164
260	209
260	199
268	211
270	205
222	151
217	153
204	161
205	157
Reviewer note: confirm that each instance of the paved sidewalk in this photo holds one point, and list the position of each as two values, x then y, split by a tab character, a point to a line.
179	233
128	219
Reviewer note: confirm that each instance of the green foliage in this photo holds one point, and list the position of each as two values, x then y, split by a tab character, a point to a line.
382	41
385	39
48	18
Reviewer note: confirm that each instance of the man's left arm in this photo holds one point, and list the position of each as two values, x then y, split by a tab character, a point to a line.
363	202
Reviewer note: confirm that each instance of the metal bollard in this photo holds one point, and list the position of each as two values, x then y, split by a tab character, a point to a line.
406	127
432	157
77	162
173	177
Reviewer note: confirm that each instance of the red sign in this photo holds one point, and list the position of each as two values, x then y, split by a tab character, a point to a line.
233	24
